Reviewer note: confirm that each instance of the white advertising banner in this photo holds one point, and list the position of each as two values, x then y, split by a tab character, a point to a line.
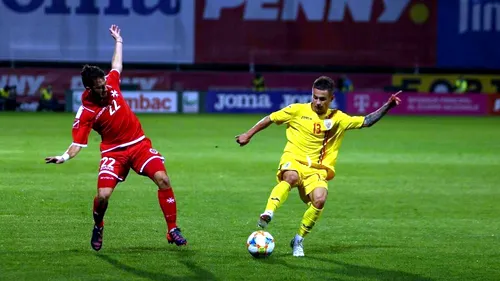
190	102
142	102
159	31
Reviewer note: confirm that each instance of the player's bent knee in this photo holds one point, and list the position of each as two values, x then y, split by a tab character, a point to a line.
104	193
319	198
162	180
319	203
164	183
291	177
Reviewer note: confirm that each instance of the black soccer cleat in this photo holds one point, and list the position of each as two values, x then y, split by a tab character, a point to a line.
96	240
175	236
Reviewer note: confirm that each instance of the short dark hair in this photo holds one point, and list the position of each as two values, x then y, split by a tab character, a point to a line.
324	83
90	73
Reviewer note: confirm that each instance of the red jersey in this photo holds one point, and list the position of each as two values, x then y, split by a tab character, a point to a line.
116	123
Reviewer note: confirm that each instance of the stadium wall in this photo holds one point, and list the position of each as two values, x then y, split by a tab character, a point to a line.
29	81
247	102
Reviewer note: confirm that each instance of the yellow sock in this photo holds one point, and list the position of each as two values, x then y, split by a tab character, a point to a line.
278	196
309	219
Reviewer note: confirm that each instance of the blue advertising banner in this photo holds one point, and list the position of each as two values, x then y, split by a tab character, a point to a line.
259	102
469	33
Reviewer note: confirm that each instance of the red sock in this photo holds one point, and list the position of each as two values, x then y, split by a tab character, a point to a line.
99	210
168	207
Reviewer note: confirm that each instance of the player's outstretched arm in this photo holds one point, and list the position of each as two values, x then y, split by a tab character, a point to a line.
244	138
117	62
70	153
373	117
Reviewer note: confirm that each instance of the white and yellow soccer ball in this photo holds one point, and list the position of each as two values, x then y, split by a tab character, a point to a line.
260	244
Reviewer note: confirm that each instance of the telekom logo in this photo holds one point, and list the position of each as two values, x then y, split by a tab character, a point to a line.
361	102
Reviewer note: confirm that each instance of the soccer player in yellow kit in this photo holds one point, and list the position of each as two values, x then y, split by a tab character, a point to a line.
314	133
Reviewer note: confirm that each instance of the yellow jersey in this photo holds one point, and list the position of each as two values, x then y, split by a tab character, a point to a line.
314	140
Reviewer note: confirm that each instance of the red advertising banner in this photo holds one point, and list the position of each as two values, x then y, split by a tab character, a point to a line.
28	81
420	104
494	104
334	32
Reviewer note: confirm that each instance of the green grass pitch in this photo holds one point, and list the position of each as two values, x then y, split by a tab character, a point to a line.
414	199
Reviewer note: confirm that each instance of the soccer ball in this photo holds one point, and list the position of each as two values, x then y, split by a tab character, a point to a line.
260	244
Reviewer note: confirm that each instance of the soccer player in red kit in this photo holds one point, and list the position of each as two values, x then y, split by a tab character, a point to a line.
123	144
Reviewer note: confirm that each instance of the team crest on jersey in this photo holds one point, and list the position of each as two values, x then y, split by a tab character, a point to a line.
328	123
154	151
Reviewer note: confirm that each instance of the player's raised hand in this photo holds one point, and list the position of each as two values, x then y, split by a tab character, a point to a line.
115	33
243	139
54	159
394	100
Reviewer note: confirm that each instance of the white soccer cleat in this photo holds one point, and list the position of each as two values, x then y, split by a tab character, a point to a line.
297	246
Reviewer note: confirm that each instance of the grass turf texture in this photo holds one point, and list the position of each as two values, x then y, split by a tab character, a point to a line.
414	199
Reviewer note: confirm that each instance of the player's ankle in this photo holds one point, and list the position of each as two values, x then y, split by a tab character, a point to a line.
298	238
269	213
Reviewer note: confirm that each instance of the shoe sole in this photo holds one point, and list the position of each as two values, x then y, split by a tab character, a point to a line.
262	224
95	247
173	242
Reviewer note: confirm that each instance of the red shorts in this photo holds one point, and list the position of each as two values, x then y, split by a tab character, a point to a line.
141	157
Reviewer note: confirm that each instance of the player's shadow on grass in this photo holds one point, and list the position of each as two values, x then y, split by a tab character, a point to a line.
198	272
151	250
349	248
343	269
353	270
278	260
349	271
337	249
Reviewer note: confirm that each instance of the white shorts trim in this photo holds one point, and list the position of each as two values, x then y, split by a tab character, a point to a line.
124	144
79	144
147	161
110	173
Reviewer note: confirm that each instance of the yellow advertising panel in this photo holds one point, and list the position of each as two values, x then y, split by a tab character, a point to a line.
445	83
